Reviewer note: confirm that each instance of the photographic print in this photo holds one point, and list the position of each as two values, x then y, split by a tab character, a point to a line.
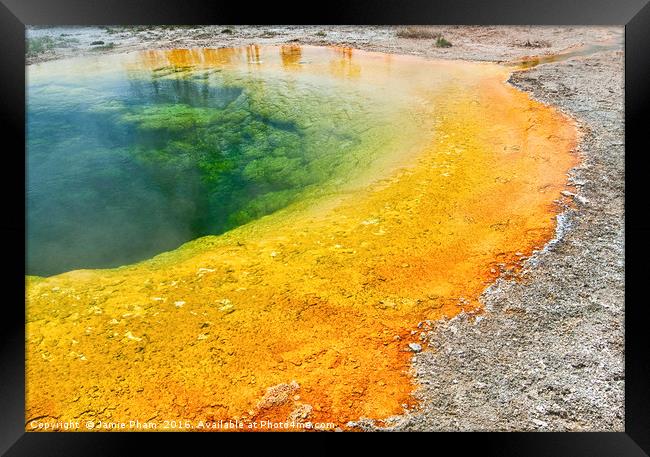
324	228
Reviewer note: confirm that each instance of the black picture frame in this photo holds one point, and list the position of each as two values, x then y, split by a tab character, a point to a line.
633	14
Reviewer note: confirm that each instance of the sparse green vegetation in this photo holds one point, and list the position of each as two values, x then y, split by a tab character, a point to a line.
424	33
227	31
321	33
39	45
442	43
418	33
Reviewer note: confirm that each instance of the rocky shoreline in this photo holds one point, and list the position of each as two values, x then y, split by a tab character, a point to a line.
546	353
481	43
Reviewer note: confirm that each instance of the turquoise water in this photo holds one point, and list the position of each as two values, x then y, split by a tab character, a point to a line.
127	161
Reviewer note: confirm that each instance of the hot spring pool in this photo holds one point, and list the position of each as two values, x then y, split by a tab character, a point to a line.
134	154
354	195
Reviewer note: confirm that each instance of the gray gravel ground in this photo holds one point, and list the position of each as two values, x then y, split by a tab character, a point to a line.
486	43
546	353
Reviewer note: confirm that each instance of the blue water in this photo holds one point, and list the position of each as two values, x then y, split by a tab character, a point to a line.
127	167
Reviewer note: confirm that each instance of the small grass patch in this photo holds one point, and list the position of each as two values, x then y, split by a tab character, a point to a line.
227	31
442	43
321	33
39	45
46	43
418	33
